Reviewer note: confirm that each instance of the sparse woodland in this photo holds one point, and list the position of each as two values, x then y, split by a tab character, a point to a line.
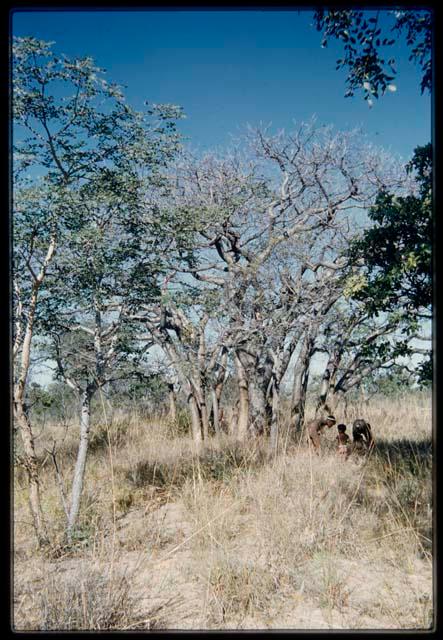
196	310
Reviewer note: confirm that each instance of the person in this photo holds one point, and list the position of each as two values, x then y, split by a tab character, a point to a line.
342	438
315	427
362	434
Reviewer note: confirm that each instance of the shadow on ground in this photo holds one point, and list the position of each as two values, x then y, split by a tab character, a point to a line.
414	454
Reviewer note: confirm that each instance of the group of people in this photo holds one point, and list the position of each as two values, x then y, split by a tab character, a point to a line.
362	440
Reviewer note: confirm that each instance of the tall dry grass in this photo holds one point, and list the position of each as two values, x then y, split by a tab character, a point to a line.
292	540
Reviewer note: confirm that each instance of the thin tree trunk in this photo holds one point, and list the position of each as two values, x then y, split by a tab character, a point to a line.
80	465
204	419
233	419
198	394
31	467
243	410
172	402
23	422
200	387
337	396
195	421
217	390
274	419
301	377
328	383
299	401
260	409
324	390
215	412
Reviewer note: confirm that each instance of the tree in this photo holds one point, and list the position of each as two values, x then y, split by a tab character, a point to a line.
397	251
397	248
36	211
113	259
96	154
268	247
198	358
359	347
364	40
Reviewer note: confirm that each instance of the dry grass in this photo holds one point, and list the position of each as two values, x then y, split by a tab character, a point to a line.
85	597
260	541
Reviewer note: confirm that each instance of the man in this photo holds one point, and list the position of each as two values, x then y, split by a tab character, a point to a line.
315	428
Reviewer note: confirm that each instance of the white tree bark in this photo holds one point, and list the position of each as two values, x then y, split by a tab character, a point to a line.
20	415
196	423
243	409
80	465
172	402
215	411
275	417
301	378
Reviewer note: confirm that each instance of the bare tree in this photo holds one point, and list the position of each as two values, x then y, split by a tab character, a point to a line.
358	345
199	363
302	188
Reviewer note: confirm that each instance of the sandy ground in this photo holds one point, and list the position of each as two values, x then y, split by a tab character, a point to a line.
173	577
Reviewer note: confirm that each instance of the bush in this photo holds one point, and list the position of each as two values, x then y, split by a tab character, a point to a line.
86	600
238	591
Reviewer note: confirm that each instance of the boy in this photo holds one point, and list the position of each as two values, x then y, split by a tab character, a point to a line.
342	438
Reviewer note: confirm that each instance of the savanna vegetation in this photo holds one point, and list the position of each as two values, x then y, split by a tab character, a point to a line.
234	536
195	311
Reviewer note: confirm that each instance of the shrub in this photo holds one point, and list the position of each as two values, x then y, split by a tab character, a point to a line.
238	591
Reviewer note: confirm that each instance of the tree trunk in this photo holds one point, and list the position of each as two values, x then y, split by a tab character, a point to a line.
322	405
80	465
199	396
243	409
172	402
233	419
215	412
337	396
195	421
299	391
260	409
31	467
327	384
24	424
217	390
299	401
274	419
204	419
188	387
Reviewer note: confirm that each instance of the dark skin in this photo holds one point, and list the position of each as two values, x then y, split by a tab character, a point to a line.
342	437
342	441
362	434
314	429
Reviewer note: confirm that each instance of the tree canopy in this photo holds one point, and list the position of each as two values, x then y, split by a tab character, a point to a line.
397	249
367	44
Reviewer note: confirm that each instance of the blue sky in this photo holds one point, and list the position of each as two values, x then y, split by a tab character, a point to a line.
232	68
